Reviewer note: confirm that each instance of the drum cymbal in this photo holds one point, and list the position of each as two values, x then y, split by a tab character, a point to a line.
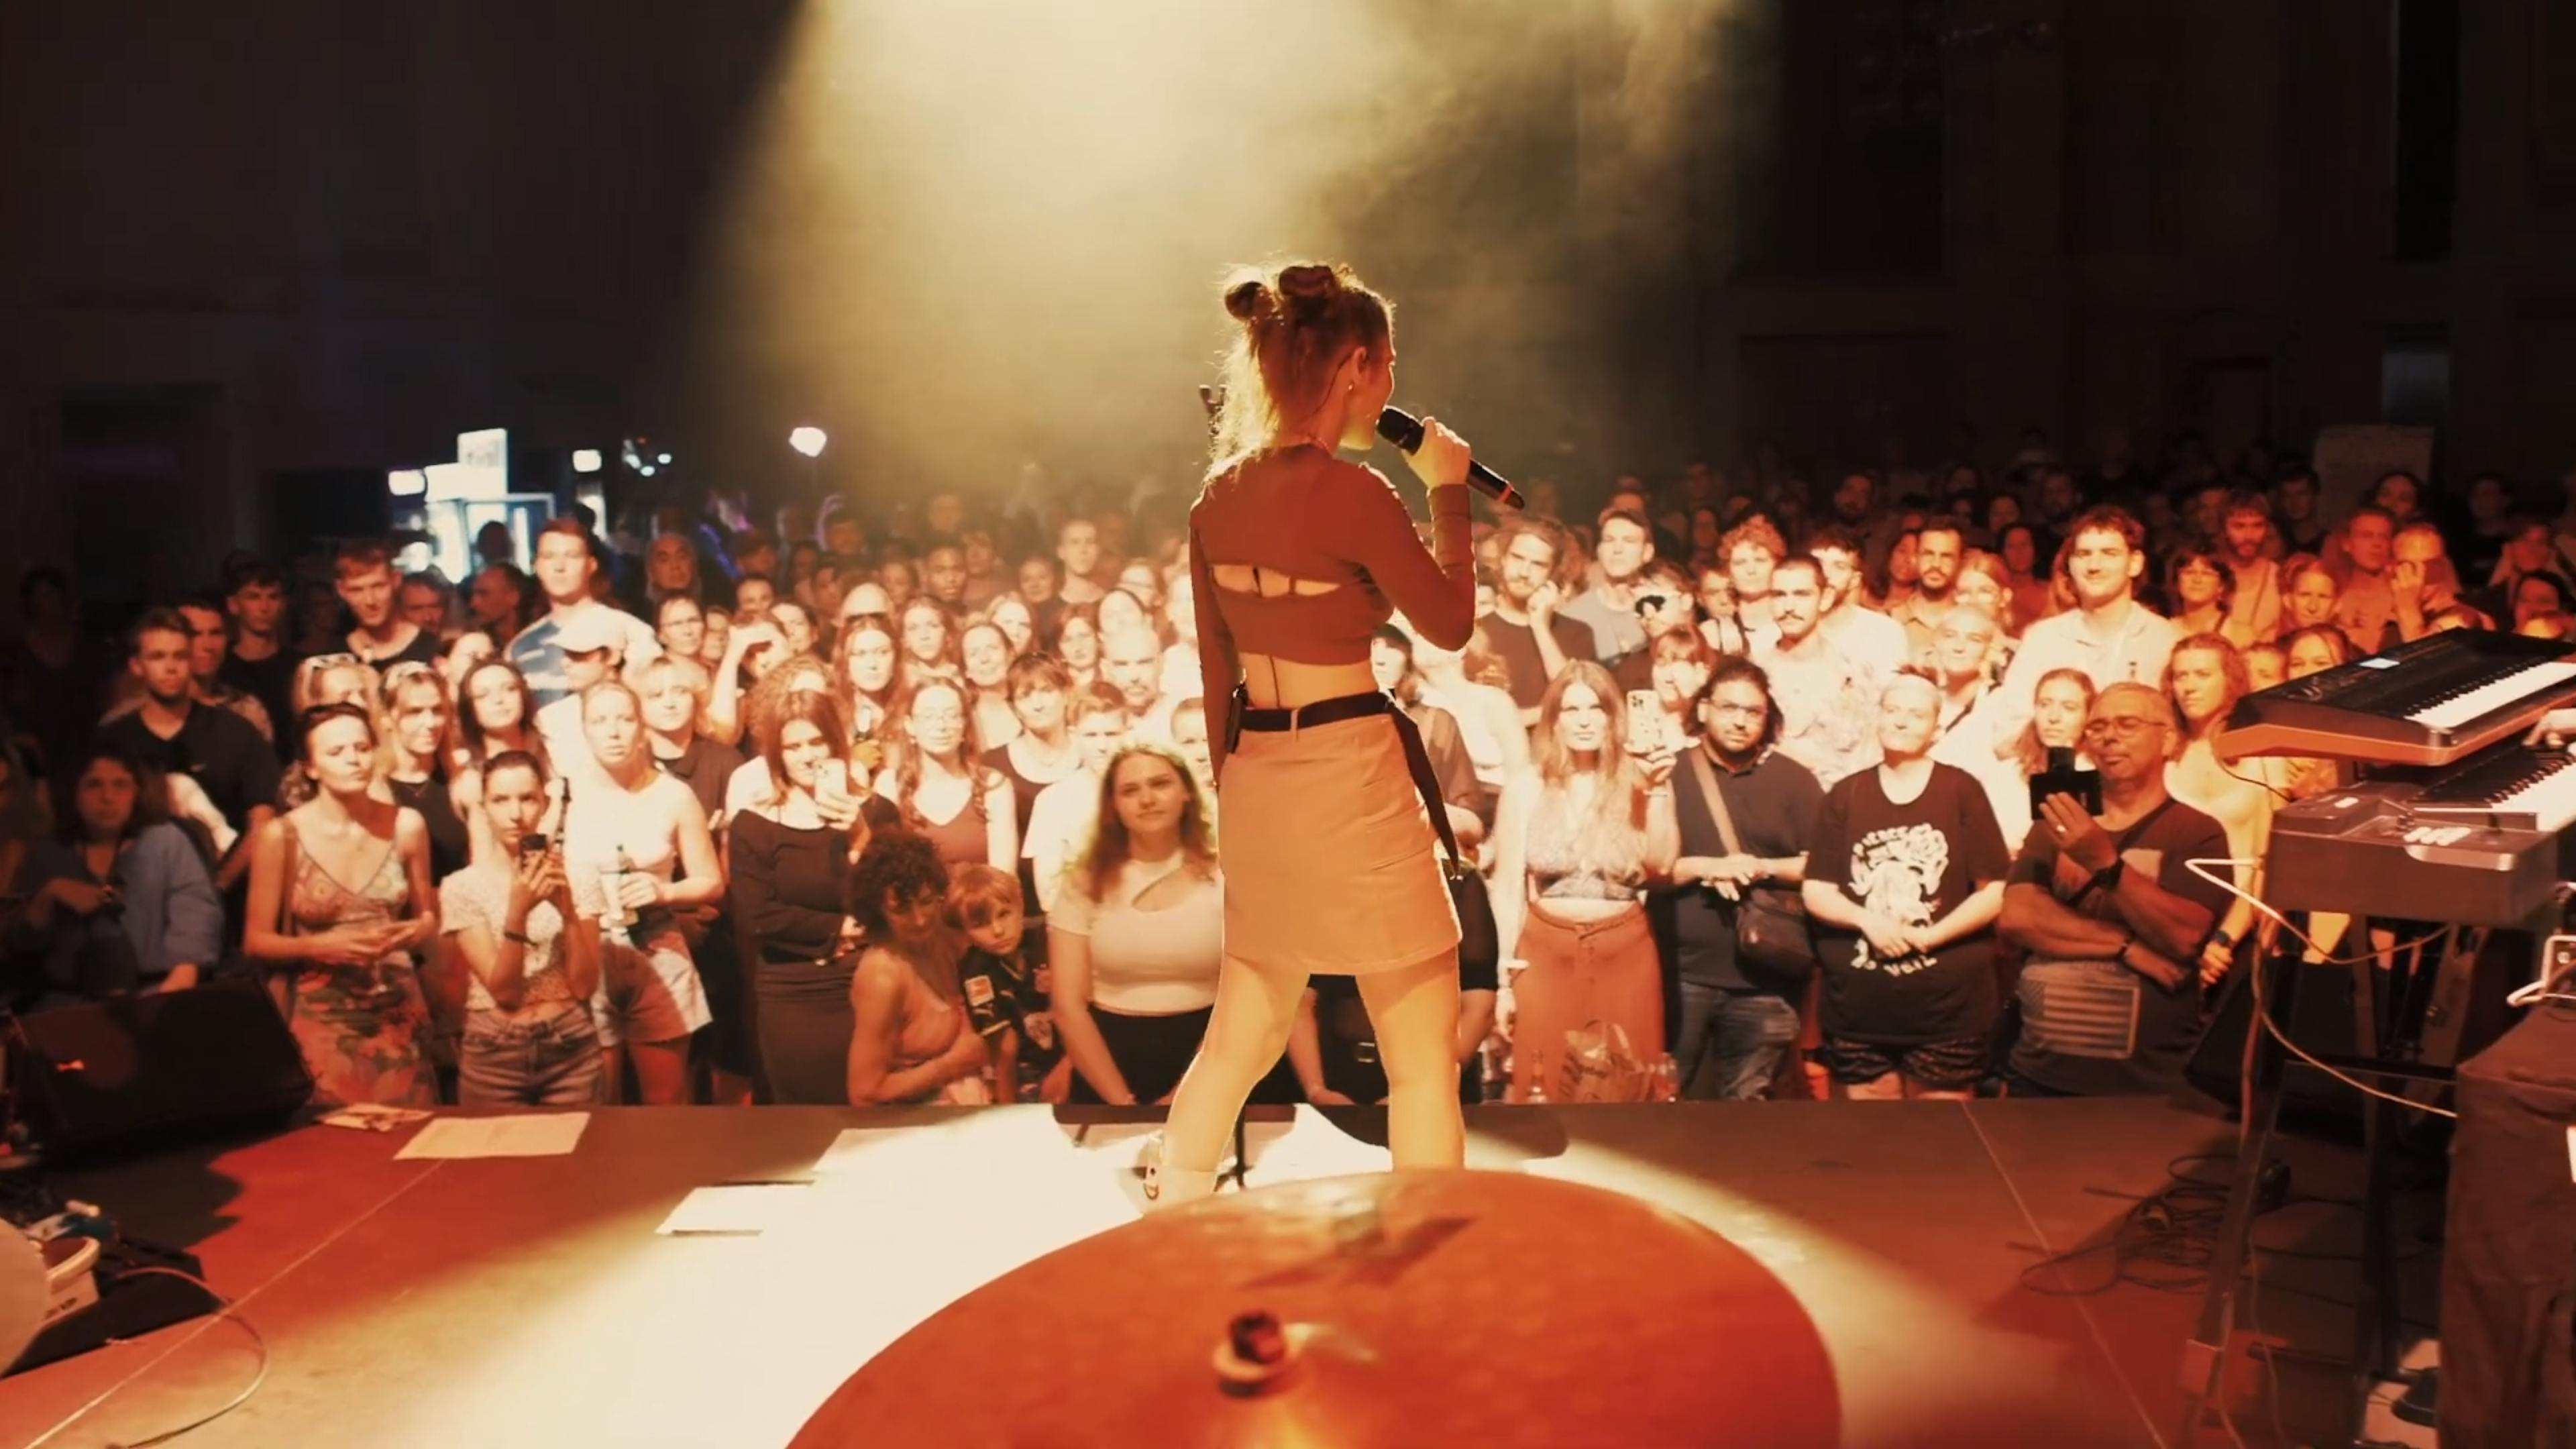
1469	1308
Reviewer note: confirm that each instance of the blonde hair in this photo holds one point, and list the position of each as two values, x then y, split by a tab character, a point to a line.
1297	323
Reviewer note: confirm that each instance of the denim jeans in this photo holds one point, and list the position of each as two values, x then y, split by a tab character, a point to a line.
1731	1041
551	1061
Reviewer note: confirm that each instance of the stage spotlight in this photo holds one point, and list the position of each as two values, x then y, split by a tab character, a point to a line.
585	460
664	459
647	470
808	441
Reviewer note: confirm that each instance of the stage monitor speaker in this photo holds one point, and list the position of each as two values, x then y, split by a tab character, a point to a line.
2509	1244
107	1078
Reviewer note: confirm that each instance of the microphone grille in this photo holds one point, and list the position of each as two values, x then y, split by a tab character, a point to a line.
1400	428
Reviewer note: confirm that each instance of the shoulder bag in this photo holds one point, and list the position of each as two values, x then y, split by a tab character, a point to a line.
1771	936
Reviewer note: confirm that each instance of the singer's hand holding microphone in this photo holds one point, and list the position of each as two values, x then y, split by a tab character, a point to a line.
1441	459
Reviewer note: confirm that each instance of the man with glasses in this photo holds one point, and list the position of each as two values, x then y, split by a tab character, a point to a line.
2113	917
1736	1023
1626	546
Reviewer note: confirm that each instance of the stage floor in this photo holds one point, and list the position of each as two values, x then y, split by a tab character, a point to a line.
531	1302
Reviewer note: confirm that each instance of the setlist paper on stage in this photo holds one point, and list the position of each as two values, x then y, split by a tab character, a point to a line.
545	1134
735	1209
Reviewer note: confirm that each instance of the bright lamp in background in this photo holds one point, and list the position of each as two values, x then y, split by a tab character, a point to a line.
585	460
808	441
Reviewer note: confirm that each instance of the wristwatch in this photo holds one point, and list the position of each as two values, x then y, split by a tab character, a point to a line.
2108	876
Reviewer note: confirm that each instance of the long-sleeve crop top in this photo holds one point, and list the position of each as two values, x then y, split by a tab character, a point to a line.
1304	513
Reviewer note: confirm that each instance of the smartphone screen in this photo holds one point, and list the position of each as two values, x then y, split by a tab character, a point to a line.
2063	778
1645	722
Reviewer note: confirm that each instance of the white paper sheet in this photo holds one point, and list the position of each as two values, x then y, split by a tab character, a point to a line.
544	1134
737	1208
854	1144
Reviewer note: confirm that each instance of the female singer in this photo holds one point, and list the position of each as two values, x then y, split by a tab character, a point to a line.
1296	558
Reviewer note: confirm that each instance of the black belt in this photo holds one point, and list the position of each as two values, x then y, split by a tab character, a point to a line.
1307	716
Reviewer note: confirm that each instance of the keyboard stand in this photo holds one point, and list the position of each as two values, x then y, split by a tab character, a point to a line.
2376	1322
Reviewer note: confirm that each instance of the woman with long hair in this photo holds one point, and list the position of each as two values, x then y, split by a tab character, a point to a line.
986	653
910	1038
791	850
1319	803
929	639
340	901
1984	584
1134	938
939	781
1583	833
1010	614
637	846
419	727
2205	677
119	898
866	680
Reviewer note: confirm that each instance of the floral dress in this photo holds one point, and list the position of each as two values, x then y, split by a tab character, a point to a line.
360	1027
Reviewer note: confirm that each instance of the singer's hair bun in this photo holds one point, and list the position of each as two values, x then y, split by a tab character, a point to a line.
1308	290
1245	301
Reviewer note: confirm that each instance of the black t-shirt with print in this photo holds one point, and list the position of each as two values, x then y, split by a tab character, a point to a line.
1517	646
2104	1031
1914	862
1014	995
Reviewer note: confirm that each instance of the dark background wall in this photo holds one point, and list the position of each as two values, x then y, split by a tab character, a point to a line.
251	246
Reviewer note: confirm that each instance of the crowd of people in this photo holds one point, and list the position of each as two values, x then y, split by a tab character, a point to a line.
914	803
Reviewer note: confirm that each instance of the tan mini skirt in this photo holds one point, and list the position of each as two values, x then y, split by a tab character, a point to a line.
1330	864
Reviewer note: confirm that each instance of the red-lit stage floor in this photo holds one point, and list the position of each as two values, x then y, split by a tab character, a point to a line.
531	1302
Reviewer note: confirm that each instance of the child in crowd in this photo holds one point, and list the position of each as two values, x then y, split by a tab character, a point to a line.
1004	976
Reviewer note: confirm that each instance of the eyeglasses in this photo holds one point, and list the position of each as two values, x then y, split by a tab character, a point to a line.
2126	726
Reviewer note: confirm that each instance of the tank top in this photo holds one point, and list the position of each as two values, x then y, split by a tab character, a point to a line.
605	819
1556	870
960	839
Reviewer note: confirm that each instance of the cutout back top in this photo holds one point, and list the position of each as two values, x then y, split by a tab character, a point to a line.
1305	514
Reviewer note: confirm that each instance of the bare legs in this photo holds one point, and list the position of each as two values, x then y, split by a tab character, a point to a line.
1246	1033
1415	1011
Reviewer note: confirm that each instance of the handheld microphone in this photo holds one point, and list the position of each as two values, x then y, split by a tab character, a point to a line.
1405	431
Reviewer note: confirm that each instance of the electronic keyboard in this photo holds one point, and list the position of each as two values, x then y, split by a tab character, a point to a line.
2431	702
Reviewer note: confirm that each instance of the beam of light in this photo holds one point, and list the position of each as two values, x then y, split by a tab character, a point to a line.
992	230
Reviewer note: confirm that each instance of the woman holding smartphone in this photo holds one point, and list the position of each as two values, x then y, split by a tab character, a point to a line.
792	849
532	961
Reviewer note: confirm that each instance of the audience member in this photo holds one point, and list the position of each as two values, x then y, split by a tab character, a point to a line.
340	956
1905	875
531	963
2113	917
910	1038
1133	933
